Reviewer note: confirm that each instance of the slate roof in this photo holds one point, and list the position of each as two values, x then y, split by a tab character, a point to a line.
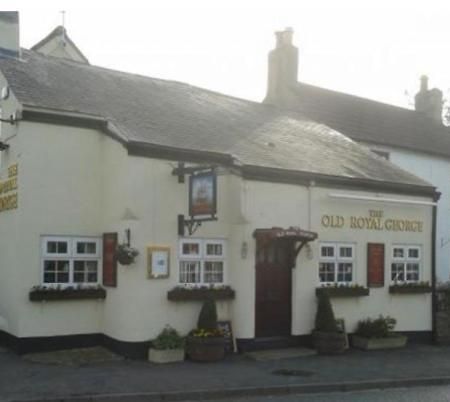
153	111
370	121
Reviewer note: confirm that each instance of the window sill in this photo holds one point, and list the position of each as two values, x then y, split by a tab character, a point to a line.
200	294
409	289
66	294
343	291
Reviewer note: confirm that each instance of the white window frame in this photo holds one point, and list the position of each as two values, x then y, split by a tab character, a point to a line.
71	256
202	257
336	259
405	260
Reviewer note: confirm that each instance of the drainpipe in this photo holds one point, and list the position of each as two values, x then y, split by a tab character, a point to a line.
436	197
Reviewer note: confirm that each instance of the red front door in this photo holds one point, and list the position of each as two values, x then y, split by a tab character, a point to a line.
273	289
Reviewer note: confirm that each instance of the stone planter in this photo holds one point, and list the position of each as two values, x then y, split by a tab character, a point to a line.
343	291
391	342
66	294
329	343
165	356
200	294
205	349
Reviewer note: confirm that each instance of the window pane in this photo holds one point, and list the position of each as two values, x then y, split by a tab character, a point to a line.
346	252
326	272
49	271
398	271
413	253
86	247
213	272
214	249
56	271
191	249
398	252
189	271
327	251
57	247
85	271
345	270
412	272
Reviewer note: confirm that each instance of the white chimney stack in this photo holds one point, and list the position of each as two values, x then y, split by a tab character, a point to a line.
9	34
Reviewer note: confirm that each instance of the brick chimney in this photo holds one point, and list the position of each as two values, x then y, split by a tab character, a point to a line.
429	101
283	66
9	34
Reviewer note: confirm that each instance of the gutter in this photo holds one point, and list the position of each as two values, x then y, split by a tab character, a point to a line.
434	300
74	119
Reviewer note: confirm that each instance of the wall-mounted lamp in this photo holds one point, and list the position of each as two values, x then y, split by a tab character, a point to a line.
3	146
309	252
244	250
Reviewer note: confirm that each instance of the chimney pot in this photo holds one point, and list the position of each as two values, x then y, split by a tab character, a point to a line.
283	66
429	101
423	83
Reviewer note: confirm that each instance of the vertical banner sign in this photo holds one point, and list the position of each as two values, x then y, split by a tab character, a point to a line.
203	194
375	265
109	259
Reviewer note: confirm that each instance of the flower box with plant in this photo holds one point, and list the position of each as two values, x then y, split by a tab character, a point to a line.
343	290
80	292
167	347
410	288
183	293
373	334
327	338
206	343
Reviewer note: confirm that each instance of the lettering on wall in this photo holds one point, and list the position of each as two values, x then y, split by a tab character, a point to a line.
8	189
375	221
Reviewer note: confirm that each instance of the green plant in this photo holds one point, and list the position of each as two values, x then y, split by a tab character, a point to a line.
380	327
169	338
325	321
207	318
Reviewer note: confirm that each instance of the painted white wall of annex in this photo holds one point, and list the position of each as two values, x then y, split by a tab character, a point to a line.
435	170
283	205
9	223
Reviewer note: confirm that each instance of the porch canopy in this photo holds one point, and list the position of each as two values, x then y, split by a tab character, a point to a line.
293	234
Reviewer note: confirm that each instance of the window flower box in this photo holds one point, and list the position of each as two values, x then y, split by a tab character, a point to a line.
69	293
343	291
200	293
410	288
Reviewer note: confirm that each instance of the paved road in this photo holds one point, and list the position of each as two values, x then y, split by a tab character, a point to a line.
429	394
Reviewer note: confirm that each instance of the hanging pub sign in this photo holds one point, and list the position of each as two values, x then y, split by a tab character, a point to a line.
203	194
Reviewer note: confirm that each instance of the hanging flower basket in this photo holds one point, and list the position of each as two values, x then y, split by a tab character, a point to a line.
125	254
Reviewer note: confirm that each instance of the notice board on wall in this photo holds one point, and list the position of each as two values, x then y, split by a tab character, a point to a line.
375	265
109	259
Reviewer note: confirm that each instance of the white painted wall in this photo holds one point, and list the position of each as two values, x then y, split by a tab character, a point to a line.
435	170
79	182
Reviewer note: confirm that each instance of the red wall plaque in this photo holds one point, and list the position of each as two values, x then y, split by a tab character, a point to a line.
375	265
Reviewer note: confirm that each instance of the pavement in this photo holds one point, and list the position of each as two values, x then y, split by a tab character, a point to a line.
22	379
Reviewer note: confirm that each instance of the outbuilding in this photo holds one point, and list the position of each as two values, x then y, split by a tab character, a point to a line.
244	202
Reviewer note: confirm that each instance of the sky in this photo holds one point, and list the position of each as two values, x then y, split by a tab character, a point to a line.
374	49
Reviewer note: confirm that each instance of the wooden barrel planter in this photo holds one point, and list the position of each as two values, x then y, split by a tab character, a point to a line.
201	349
